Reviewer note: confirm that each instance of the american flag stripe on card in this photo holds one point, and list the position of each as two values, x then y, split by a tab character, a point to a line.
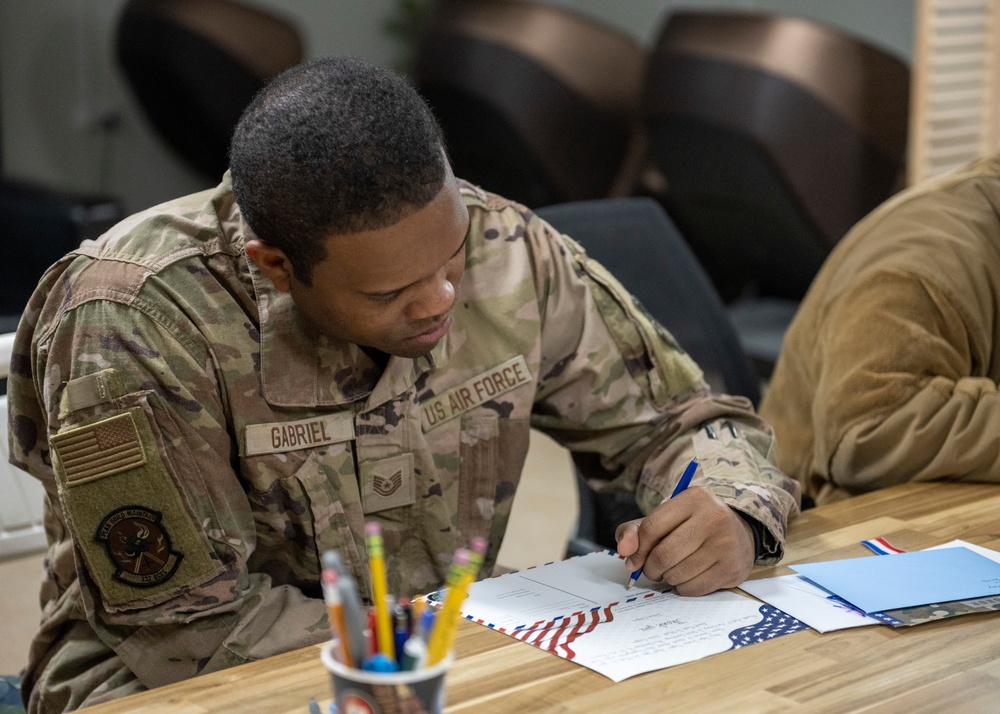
558	634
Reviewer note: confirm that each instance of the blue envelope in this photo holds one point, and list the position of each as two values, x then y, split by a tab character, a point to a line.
885	582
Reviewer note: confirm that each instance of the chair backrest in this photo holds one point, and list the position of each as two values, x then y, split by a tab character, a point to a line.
636	240
537	102
194	65
39	226
21	496
775	134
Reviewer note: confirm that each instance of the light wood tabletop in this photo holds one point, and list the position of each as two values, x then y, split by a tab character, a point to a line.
949	665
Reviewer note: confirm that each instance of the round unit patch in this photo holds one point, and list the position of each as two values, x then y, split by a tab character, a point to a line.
138	546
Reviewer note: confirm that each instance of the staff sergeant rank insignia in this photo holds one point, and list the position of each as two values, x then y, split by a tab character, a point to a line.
138	546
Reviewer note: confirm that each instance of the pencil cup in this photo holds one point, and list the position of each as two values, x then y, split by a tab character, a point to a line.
358	691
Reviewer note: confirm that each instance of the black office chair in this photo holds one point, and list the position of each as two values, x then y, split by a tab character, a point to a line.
537	102
194	65
38	225
636	240
774	135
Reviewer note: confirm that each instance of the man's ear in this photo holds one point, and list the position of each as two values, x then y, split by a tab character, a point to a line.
272	262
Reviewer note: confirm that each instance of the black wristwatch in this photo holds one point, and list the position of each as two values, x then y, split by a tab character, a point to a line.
759	534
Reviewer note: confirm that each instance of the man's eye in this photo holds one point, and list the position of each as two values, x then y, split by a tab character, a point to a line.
384	299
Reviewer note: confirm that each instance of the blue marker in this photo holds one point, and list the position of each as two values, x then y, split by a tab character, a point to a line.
427	619
681	485
400	625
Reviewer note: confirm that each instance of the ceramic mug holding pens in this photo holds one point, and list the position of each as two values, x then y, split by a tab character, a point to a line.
356	691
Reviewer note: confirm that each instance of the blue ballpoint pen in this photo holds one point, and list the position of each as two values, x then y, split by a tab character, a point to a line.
681	485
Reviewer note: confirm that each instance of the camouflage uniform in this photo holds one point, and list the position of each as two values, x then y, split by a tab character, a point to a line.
200	446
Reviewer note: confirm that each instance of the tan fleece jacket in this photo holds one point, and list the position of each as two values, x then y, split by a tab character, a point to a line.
889	370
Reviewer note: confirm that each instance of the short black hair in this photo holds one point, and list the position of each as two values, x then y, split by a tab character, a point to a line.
334	145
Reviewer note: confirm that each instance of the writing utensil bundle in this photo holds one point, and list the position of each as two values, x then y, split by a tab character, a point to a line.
396	633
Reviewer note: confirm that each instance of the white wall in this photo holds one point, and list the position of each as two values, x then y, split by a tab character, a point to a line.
887	24
58	77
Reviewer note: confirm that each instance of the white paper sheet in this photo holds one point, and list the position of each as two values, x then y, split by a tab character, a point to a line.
806	602
985	552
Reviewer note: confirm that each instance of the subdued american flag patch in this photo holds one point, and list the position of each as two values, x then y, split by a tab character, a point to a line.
100	449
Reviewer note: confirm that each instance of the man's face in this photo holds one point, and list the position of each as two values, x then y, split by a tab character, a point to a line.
392	288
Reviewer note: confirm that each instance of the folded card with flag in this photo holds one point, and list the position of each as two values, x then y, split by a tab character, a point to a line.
579	609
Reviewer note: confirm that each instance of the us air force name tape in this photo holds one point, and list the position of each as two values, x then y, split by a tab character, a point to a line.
474	392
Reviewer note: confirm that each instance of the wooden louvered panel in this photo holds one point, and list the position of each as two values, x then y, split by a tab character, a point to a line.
953	113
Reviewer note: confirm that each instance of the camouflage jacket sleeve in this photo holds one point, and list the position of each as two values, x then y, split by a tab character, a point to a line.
616	386
149	543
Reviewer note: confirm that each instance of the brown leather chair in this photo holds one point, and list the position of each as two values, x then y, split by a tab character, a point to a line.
194	65
774	135
537	102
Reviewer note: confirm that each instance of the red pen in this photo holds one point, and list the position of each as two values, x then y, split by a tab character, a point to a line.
370	633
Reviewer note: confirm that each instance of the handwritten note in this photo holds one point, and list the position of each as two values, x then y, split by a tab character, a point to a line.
536	595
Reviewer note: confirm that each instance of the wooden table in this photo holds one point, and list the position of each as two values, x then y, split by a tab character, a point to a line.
946	666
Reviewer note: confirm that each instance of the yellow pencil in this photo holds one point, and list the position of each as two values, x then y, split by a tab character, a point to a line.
477	555
459	579
380	589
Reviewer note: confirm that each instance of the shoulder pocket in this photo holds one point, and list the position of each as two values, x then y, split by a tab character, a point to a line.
653	357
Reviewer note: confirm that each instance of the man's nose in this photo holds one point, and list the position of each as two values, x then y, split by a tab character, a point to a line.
434	298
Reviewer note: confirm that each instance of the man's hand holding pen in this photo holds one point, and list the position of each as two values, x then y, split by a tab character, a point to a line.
692	541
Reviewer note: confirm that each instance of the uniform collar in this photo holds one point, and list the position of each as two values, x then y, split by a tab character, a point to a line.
301	367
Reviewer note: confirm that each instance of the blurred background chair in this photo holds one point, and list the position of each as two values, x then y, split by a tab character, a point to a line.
38	225
636	240
774	135
194	65
537	102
